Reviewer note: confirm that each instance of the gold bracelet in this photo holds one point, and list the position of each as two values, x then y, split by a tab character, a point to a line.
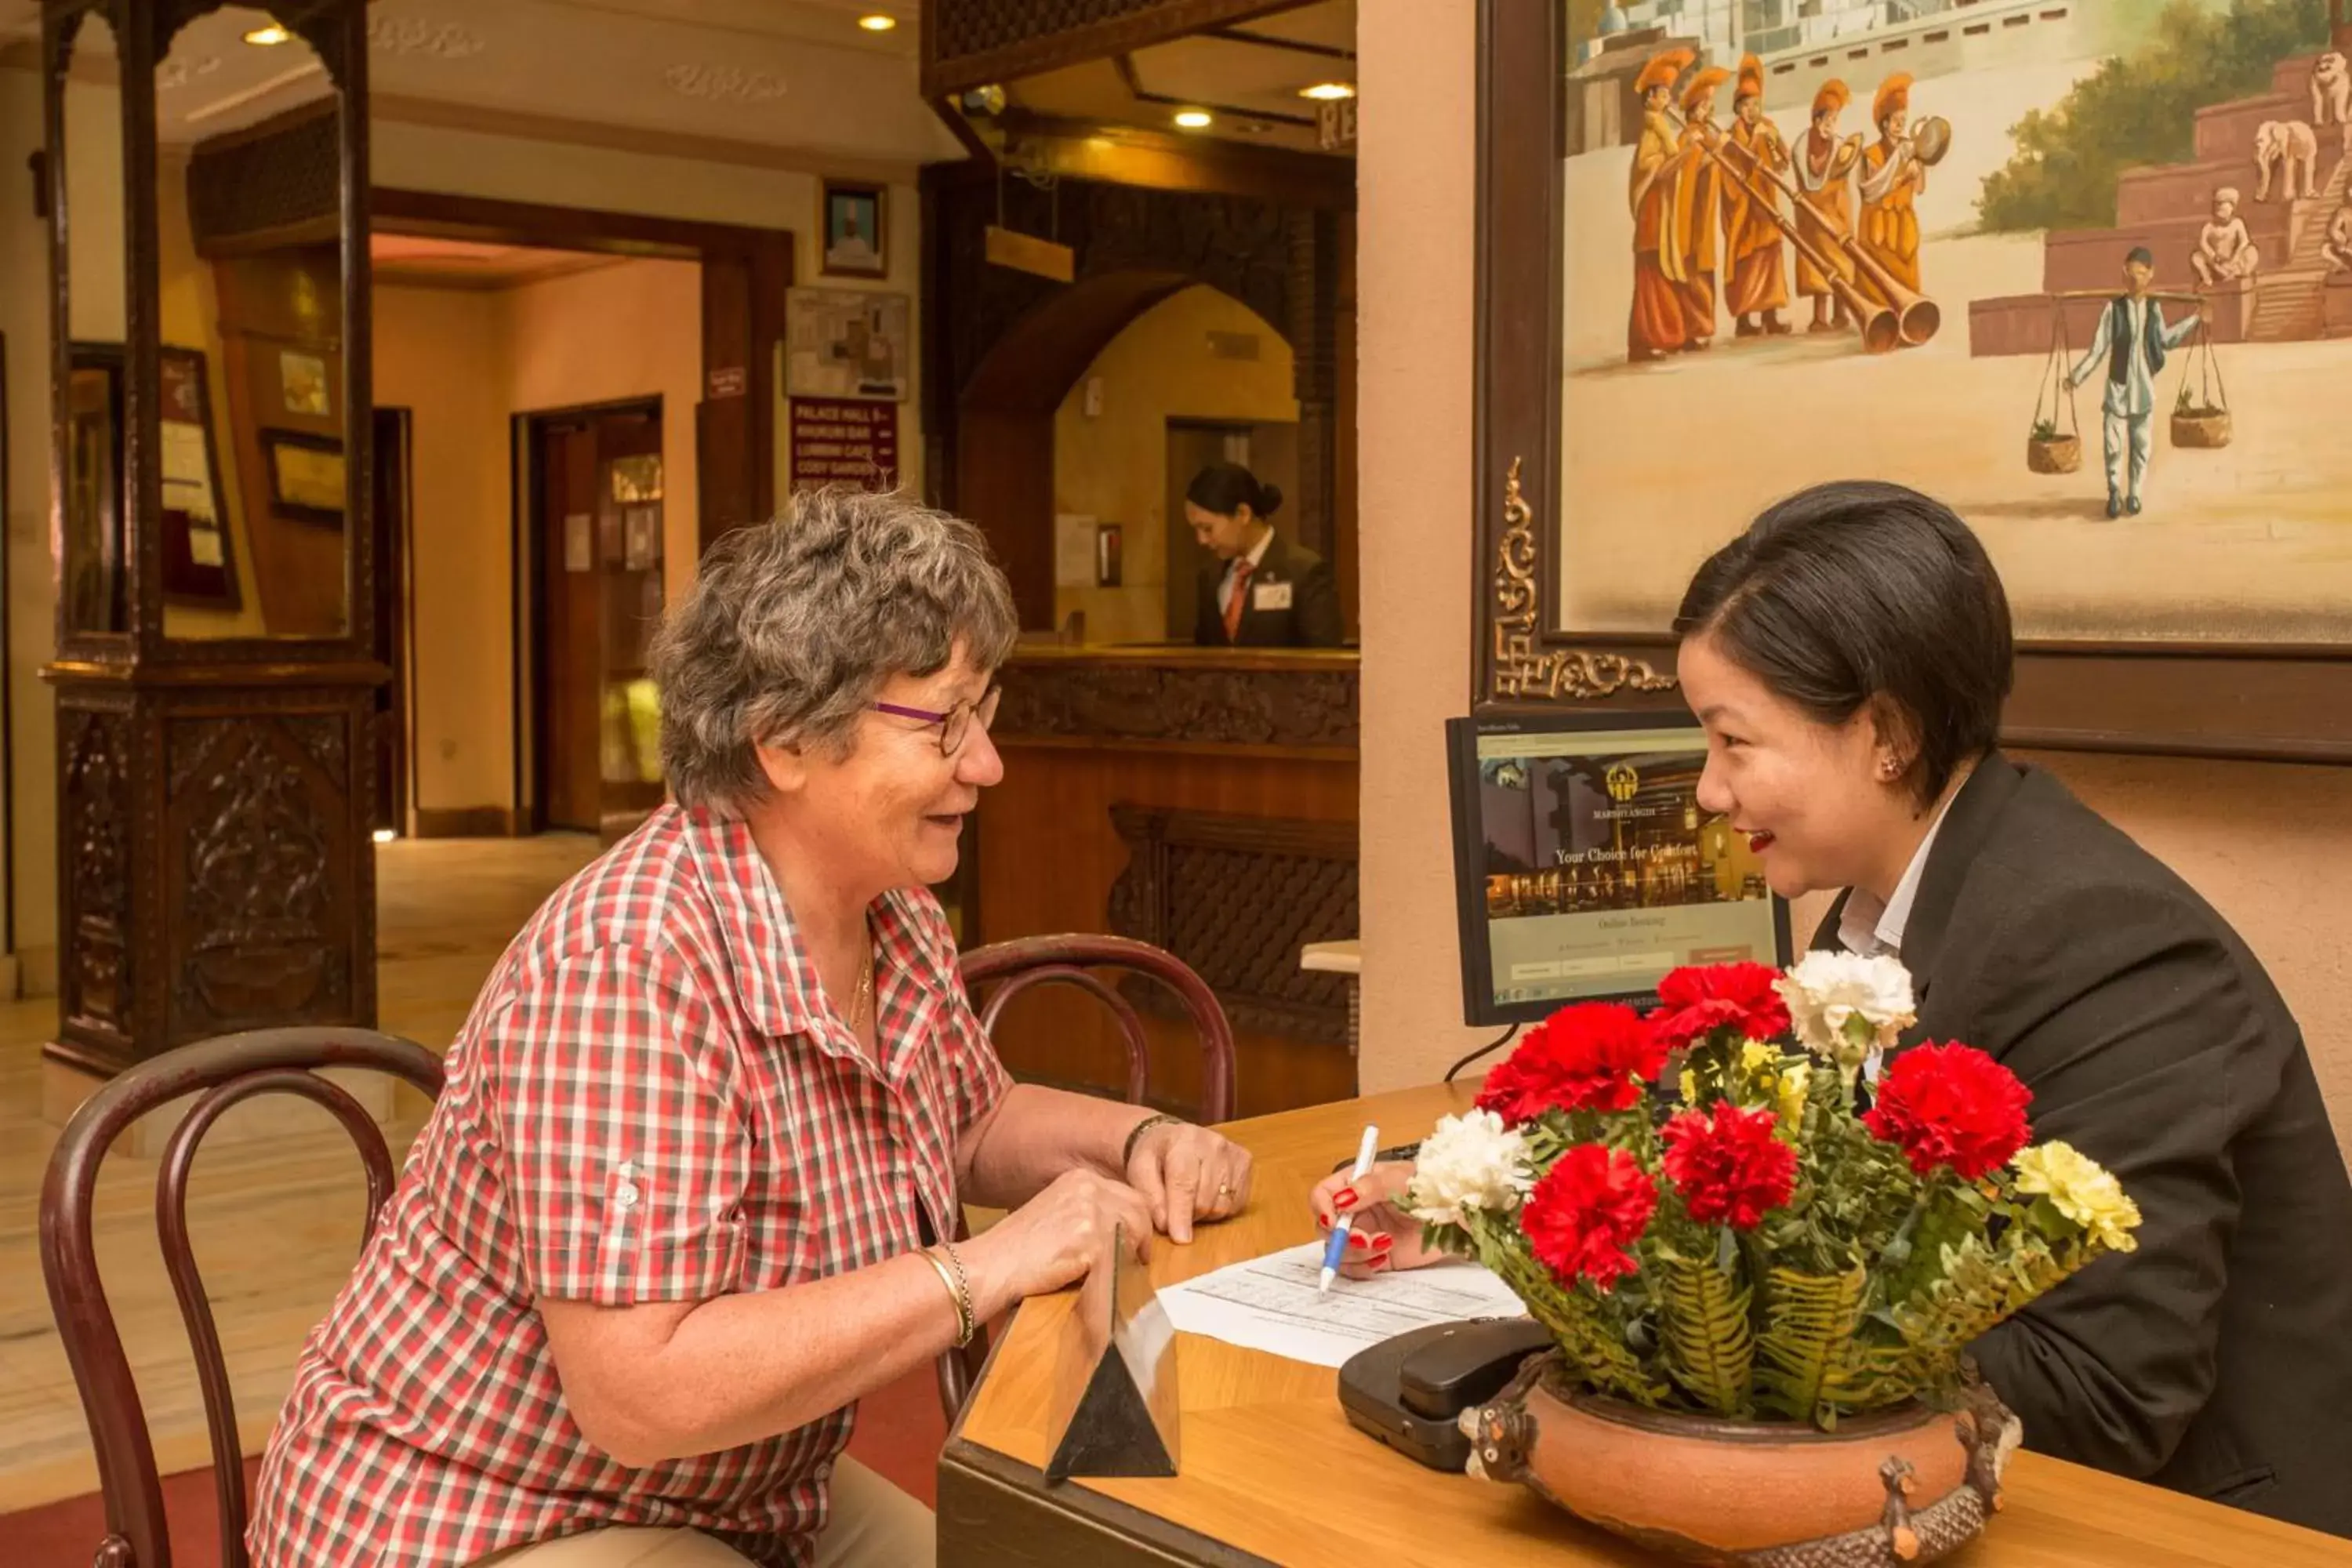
959	1292
1135	1132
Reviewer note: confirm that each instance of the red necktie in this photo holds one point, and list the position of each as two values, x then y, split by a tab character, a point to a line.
1242	570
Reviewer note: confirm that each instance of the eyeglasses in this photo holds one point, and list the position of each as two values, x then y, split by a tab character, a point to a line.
956	722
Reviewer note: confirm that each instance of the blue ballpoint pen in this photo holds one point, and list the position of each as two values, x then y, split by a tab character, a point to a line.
1336	1247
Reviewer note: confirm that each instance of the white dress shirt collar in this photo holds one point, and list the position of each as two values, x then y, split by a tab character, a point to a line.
1869	926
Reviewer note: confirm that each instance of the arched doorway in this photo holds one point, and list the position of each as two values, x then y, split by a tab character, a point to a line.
1004	348
1083	418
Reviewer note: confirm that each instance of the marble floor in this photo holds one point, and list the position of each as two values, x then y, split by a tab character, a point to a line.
276	1222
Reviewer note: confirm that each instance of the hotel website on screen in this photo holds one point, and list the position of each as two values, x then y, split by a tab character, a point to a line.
1601	871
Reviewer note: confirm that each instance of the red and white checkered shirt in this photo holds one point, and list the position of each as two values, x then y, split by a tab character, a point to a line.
652	1101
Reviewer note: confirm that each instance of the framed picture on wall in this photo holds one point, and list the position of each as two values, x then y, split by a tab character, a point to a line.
199	567
856	239
306	475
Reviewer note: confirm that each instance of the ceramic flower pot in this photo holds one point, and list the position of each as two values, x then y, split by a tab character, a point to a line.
1901	1486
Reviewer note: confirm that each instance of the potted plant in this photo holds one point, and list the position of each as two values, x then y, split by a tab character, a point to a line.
1760	1293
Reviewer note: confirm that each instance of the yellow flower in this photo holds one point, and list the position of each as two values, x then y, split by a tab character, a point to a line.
1794	1083
1690	1087
2083	1190
1757	1057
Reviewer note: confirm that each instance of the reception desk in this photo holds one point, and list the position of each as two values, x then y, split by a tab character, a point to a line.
1200	799
1270	1472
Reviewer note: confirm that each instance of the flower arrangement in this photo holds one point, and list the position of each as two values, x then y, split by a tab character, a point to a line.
1759	1247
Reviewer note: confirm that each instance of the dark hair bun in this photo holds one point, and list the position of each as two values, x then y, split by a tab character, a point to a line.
1226	488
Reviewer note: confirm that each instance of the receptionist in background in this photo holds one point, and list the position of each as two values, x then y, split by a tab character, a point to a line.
1260	591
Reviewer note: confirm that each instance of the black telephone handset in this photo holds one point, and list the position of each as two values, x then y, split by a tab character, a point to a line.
1409	1392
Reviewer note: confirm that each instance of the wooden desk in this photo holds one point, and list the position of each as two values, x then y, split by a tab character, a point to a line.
1272	1473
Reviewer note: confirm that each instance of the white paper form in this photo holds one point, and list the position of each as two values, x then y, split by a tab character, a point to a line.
1270	1304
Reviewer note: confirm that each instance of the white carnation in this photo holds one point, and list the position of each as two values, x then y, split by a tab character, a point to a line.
1469	1162
1845	1006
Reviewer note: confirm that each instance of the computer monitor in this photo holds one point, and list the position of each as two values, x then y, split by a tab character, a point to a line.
1585	869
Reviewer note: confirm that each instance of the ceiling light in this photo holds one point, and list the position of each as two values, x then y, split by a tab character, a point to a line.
1327	92
267	37
878	23
1194	120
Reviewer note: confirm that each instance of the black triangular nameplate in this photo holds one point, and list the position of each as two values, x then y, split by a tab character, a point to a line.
1115	1410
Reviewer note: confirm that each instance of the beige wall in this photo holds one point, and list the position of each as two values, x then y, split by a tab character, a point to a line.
2268	844
442	354
465	363
1113	467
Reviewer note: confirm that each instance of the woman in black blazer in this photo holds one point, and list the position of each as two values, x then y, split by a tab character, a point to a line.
1849	656
1258	590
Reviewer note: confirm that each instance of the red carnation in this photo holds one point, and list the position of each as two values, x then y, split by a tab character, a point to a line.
1589	1208
1728	1165
1950	1105
1696	1002
1591	1057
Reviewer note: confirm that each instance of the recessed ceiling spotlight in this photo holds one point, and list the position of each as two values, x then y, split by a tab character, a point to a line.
1329	92
878	23
266	37
1194	120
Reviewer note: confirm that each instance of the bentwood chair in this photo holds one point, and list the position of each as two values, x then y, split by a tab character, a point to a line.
1004	970
221	1073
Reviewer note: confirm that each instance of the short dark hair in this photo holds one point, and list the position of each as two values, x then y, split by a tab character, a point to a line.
1858	592
1225	488
2140	254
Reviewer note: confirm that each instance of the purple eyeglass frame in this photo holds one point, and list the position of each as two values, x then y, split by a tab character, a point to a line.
970	710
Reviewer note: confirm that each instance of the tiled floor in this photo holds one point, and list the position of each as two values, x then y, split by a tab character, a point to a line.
275	1223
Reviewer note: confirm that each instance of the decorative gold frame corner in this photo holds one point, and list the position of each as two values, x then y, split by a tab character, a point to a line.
1522	670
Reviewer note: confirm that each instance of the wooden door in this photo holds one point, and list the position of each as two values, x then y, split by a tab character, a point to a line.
600	593
570	656
392	538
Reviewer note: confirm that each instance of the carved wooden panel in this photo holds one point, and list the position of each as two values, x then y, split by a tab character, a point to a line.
258	816
271	181
967	43
1236	898
1114	700
95	753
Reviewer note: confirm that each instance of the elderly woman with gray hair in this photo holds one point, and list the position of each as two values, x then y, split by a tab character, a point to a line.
684	1199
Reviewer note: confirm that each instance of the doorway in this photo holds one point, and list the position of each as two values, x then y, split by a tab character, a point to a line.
1269	451
394	723
591	536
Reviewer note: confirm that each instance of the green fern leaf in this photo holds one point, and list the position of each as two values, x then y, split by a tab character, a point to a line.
1710	1350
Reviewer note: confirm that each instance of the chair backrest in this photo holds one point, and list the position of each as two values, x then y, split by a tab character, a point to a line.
221	1073
1005	969
1013	967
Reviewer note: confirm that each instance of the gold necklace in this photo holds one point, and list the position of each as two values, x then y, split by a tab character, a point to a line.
864	989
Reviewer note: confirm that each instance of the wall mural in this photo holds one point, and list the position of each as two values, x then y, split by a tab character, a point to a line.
2082	267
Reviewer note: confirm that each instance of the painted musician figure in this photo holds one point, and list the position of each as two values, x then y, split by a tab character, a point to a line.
1825	168
1698	202
1752	241
1654	326
1892	177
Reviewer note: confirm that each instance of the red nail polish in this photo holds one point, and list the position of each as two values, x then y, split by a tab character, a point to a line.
1382	1243
1355	1240
1345	1198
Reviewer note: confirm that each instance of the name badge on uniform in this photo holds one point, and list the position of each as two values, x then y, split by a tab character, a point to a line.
1270	597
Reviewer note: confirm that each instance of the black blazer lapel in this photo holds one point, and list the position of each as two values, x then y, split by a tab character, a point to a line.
1966	828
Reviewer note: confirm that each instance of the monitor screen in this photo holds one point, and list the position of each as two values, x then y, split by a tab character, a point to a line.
1585	869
